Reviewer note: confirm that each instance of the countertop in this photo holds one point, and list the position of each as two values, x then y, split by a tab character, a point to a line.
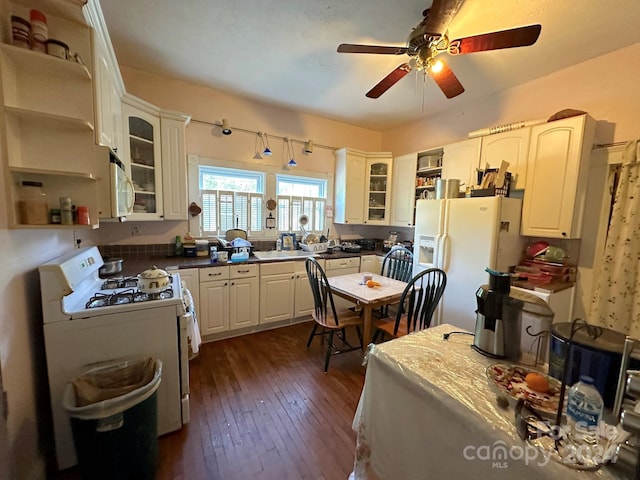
135	264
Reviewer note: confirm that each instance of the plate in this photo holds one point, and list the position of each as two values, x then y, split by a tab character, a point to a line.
509	380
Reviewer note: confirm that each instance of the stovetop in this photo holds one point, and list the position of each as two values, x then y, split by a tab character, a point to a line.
127	296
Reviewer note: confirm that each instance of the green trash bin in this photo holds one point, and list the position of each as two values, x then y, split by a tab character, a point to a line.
113	409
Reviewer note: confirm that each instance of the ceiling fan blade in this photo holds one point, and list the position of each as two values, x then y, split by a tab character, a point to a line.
447	81
515	37
389	81
440	15
351	48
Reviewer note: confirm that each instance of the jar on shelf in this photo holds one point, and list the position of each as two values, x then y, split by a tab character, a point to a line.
39	31
66	212
32	204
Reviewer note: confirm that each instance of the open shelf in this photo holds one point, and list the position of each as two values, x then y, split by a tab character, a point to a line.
55	173
51	120
51	226
42	64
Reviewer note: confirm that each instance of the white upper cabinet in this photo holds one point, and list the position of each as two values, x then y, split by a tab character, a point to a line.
378	188
402	190
143	158
362	187
512	147
557	176
460	161
174	165
108	84
156	159
349	186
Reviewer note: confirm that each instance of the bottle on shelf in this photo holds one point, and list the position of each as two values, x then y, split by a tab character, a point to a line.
584	411
179	249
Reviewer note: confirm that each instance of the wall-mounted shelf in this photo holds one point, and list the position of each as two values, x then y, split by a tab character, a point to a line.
38	63
50	120
57	173
57	226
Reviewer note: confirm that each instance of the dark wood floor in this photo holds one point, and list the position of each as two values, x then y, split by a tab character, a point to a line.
261	408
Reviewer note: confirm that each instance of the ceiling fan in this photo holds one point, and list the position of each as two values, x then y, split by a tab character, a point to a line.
429	39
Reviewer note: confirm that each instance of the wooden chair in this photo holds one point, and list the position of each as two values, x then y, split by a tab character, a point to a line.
420	299
397	264
332	323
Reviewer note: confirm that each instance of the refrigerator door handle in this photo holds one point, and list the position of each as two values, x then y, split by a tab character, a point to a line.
443	260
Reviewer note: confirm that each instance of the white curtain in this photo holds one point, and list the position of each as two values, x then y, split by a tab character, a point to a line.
615	303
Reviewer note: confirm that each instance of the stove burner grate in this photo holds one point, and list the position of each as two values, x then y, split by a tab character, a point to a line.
127	296
113	283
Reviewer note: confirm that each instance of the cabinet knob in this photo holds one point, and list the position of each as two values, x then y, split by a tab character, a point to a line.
564	234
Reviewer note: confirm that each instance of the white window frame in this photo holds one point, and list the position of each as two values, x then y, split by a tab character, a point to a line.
270	185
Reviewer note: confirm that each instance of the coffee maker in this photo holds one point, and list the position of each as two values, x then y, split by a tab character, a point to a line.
498	331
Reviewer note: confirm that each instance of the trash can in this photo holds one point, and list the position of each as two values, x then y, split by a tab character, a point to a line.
114	418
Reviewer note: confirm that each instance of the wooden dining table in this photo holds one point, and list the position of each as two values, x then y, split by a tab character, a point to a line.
351	287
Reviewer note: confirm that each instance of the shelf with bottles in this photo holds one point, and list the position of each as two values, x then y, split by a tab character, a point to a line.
79	186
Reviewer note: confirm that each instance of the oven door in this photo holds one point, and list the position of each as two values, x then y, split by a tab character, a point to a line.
185	320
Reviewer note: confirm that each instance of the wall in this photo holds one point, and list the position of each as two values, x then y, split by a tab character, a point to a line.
25	435
211	105
604	86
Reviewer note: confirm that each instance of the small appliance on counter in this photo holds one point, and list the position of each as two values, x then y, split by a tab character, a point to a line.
367	243
498	330
390	242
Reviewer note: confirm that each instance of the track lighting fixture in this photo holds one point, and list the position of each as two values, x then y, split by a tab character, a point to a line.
308	147
257	144
265	144
226	130
292	160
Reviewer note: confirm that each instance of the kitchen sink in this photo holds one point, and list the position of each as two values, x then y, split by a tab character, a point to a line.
283	255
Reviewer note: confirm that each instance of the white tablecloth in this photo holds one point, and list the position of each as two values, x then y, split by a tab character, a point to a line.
427	412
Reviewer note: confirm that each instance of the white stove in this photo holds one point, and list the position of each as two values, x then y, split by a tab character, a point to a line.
89	320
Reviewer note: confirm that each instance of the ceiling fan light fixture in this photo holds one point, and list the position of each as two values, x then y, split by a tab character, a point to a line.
226	129
437	66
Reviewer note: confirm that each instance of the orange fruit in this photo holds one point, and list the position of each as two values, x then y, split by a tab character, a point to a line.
537	382
372	283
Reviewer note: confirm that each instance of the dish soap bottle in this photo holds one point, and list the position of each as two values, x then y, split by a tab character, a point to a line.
179	248
584	410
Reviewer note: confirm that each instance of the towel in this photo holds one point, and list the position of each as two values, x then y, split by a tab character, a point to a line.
193	330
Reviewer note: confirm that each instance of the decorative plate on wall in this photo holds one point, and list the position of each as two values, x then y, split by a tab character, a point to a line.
271	204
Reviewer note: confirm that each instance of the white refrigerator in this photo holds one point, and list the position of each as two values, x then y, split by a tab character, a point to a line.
464	236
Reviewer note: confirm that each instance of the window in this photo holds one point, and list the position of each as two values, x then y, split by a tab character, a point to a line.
300	196
231	199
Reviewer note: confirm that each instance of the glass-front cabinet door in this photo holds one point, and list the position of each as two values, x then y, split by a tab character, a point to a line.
378	183
144	152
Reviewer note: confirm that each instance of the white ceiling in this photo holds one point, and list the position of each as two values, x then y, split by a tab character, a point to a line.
283	52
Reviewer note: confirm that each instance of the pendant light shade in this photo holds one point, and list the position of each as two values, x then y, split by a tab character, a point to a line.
265	143
292	160
257	155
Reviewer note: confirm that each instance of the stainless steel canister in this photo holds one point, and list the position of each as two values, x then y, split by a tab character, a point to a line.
447	188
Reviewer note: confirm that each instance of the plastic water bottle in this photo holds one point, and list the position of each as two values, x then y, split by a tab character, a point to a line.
584	410
279	245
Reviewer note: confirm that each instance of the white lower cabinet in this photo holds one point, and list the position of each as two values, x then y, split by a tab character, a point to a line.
342	266
214	300
228	298
243	296
371	263
277	288
303	303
